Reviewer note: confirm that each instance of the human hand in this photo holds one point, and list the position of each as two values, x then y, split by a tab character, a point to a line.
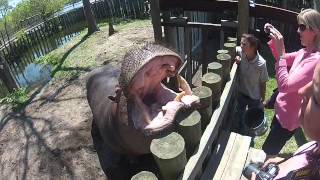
276	40
272	160
253	176
267	27
190	101
237	59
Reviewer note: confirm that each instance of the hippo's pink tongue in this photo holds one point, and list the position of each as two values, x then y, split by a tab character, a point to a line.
164	119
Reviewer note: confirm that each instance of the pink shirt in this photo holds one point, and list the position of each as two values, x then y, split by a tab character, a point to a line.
288	101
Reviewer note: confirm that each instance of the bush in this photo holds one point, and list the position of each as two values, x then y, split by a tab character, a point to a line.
52	59
18	98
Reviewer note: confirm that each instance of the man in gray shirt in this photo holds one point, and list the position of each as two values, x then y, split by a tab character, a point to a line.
253	75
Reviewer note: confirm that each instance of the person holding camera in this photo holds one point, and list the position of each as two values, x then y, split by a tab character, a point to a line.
305	162
253	75
302	62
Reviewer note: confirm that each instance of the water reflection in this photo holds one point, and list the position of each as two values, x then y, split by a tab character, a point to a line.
25	69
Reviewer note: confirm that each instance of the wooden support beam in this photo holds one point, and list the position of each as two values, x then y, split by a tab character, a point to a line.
156	20
243	17
259	10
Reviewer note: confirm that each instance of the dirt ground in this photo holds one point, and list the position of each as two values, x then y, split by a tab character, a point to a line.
51	138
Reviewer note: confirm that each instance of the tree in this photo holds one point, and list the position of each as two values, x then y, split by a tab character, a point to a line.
91	21
4	9
46	8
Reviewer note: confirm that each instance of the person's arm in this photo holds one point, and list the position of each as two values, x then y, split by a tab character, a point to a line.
237	58
298	78
264	77
263	90
289	57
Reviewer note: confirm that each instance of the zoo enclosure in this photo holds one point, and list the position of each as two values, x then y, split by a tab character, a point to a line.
20	51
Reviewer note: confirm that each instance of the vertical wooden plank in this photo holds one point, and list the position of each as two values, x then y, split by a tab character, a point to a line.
237	158
188	50
243	17
204	50
156	20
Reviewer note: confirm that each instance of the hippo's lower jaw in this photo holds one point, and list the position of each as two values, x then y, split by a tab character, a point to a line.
155	118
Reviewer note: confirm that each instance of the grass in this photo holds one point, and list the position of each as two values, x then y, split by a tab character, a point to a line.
79	54
73	58
291	145
18	98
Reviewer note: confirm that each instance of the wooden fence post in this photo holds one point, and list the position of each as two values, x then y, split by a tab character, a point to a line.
144	175
231	47
215	67
213	81
205	110
189	127
156	20
222	51
225	60
232	40
243	17
170	155
7	76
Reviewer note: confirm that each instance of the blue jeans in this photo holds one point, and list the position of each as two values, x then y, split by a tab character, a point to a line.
244	101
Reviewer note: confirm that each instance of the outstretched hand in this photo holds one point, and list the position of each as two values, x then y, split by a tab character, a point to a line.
276	39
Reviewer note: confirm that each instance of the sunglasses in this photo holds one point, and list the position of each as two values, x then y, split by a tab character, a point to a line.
302	27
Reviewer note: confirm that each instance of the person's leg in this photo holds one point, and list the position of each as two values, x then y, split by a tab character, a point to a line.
277	138
255	104
241	108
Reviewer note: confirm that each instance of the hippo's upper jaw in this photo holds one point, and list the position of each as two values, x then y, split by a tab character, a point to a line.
154	105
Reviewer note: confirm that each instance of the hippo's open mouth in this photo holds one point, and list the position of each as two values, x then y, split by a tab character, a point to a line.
154	105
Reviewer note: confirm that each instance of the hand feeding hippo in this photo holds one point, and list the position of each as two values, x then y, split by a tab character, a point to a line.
131	112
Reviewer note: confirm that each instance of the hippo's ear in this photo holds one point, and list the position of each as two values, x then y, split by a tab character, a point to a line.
116	97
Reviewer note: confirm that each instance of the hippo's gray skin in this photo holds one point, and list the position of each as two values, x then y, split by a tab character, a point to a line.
130	105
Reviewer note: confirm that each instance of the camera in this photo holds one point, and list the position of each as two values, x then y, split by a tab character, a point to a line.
267	173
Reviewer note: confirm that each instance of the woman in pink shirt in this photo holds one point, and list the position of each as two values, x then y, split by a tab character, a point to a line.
302	63
304	164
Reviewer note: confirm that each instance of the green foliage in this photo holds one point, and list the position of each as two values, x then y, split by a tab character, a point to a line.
18	98
21	33
50	59
34	8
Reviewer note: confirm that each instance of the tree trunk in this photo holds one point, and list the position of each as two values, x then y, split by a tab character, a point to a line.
92	25
6	76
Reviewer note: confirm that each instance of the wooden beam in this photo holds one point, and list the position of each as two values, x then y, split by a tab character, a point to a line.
156	20
259	10
243	17
208	26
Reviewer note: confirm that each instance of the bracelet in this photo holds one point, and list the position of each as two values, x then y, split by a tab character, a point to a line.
281	57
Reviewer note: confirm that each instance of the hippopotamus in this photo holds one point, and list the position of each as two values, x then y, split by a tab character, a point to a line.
131	105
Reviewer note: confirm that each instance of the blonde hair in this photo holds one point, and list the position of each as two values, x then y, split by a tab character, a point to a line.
311	18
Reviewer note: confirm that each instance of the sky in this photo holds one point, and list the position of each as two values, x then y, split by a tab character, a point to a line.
14	3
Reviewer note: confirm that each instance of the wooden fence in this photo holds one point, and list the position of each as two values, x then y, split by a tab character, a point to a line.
223	9
35	42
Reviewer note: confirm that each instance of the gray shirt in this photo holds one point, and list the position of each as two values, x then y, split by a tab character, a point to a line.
252	74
